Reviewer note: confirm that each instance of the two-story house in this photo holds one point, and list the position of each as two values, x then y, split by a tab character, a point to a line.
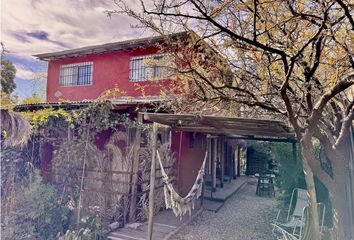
133	68
130	67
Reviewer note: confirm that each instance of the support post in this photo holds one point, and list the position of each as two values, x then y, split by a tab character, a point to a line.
152	182
230	161
238	161
214	163
222	161
135	169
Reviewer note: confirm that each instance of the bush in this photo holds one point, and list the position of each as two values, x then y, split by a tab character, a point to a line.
38	215
92	228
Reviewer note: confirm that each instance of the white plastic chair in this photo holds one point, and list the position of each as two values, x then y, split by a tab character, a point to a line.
295	221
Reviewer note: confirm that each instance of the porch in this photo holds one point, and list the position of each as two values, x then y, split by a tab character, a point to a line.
165	225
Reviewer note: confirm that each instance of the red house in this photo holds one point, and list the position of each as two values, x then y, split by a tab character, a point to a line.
86	73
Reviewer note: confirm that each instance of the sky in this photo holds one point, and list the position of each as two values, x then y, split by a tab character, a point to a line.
38	26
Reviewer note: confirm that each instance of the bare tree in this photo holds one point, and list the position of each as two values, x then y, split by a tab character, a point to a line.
291	59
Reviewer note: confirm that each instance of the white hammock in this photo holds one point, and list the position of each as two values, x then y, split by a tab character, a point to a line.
173	200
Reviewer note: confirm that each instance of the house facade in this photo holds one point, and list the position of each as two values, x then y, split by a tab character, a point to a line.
131	70
86	73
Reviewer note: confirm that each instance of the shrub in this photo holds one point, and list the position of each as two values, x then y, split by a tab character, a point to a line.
38	215
92	228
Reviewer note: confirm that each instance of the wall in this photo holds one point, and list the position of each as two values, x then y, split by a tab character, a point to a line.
190	159
109	70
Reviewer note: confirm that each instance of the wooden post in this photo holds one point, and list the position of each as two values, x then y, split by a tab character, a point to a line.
222	160
152	182
135	168
231	162
238	161
214	162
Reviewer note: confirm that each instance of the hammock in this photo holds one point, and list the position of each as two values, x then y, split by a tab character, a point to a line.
173	200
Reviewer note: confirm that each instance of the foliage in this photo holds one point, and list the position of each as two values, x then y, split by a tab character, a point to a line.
35	98
91	228
41	118
38	215
8	73
291	175
288	59
7	101
258	153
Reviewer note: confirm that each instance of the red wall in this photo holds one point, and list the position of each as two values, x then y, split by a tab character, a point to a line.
109	70
190	160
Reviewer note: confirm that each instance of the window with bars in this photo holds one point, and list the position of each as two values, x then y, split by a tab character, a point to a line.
149	67
76	74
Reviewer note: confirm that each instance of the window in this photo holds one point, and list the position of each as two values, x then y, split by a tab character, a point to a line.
76	74
149	67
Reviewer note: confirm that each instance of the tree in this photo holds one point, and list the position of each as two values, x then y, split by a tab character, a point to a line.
8	73
288	59
35	98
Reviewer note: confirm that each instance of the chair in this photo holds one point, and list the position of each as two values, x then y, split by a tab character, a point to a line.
296	221
265	185
305	234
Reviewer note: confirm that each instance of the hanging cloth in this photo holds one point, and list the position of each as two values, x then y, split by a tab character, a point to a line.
179	205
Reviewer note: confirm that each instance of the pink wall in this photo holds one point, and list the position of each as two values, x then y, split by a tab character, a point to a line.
109	70
190	161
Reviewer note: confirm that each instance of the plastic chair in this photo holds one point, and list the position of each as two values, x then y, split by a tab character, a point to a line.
295	221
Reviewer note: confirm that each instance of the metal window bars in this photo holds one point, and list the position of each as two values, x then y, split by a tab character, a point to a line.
149	67
76	74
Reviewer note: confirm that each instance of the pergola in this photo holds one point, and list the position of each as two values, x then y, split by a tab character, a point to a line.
247	128
231	128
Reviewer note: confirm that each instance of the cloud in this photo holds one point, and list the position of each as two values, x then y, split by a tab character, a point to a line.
41	35
37	26
23	72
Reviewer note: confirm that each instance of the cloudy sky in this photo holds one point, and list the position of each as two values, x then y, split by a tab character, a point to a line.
37	26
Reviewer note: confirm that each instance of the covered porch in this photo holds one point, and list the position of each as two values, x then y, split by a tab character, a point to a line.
215	143
223	138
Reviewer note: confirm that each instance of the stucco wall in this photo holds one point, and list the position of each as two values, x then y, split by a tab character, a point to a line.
110	70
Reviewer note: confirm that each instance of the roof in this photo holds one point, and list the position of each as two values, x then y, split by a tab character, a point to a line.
108	47
228	126
122	101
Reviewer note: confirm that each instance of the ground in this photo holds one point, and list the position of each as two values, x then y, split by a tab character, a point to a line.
245	216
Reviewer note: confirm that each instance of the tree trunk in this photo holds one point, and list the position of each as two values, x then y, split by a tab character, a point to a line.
315	223
341	193
342	228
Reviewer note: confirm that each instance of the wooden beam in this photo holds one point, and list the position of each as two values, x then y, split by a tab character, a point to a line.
222	125
152	182
266	139
232	131
135	168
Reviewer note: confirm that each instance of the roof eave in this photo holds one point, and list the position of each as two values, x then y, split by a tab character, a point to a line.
108	47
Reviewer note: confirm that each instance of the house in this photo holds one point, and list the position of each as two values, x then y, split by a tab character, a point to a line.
84	74
130	69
